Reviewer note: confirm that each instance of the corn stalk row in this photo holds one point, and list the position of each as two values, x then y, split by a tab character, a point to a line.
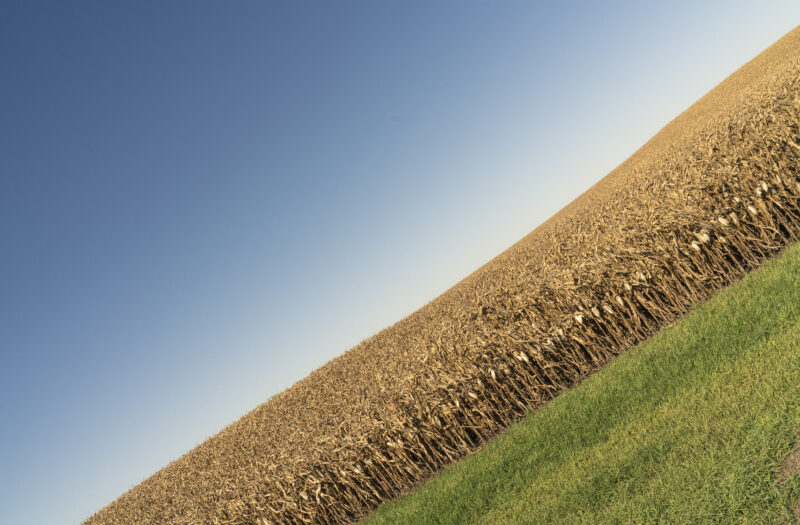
436	386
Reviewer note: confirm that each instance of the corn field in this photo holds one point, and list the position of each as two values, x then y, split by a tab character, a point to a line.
712	196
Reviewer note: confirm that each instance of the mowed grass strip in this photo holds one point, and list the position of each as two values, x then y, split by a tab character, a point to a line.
690	427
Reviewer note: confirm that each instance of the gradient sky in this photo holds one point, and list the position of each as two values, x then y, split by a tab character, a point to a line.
202	202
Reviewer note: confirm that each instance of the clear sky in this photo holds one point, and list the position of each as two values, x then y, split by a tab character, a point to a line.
202	202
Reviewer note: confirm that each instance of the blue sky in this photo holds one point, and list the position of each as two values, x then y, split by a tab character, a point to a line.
202	202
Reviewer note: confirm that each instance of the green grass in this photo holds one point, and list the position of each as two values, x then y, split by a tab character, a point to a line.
690	427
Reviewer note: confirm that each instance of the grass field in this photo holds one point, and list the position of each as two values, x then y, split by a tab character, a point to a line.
692	426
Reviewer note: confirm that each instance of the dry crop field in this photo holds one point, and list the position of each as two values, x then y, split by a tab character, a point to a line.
712	196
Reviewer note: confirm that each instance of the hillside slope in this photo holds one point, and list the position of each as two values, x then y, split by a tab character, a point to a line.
693	426
711	196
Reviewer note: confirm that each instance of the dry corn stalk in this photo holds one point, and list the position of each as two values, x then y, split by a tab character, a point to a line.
712	196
